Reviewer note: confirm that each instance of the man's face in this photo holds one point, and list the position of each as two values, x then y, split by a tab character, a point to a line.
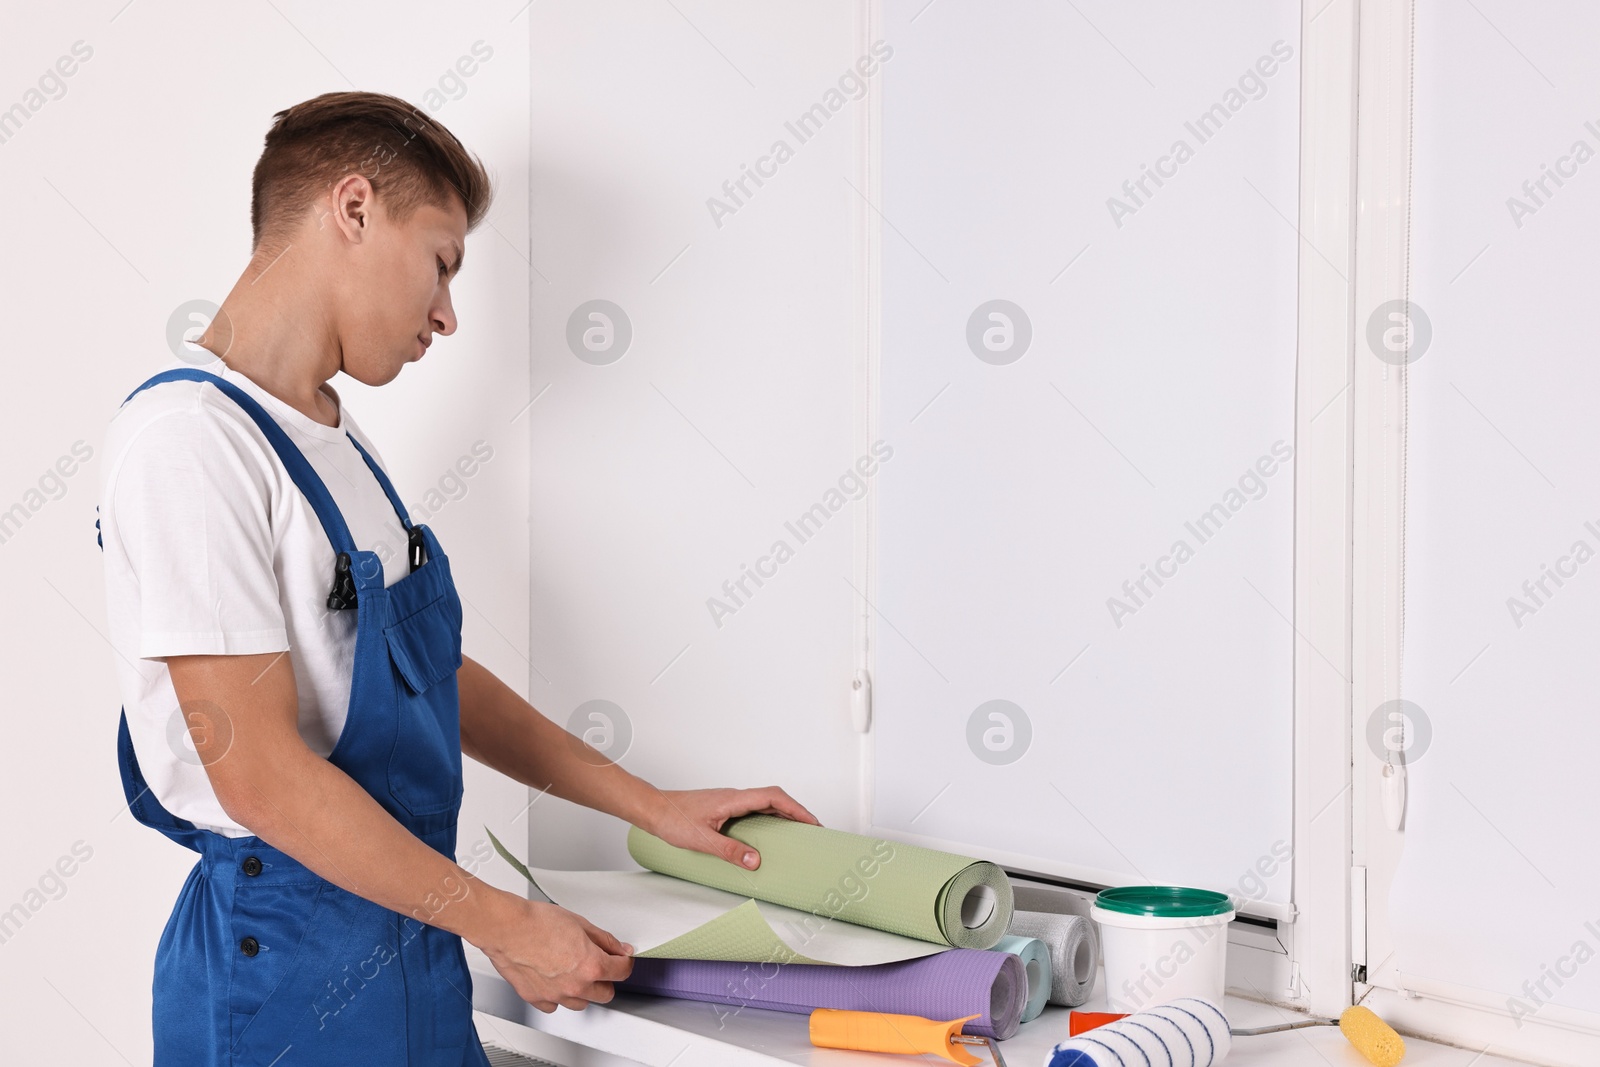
396	287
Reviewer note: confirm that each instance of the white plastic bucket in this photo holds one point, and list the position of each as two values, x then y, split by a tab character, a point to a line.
1162	942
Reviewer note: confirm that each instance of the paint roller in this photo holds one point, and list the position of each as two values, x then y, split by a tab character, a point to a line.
1102	1039
1372	1037
1187	1032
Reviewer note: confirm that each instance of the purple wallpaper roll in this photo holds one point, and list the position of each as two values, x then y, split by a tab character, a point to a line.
947	985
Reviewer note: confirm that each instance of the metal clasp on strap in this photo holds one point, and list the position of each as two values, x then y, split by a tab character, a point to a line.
418	547
343	594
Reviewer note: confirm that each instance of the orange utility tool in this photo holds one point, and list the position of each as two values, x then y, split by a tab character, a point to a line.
874	1031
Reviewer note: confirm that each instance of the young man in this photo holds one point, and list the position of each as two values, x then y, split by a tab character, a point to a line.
273	604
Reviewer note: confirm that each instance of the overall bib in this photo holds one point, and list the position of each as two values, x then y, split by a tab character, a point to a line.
264	963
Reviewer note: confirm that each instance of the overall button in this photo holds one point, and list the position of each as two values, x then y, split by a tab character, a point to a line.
252	866
249	946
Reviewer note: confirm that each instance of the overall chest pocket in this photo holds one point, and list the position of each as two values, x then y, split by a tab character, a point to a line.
425	648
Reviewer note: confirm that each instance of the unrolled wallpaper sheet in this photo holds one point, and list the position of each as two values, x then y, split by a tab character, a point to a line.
899	901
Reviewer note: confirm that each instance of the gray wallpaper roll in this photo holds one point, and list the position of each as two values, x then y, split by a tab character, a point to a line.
1074	952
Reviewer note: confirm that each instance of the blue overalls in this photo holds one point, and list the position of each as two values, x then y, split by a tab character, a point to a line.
264	962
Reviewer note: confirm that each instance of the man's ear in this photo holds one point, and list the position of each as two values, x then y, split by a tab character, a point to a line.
352	200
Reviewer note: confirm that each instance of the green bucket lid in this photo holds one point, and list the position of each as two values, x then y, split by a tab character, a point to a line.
1163	901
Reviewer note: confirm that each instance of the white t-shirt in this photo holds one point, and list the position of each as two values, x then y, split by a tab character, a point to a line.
210	548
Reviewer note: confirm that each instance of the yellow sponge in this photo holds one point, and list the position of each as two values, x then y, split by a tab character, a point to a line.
1372	1037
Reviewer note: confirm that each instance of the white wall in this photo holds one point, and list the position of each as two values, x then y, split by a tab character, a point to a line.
125	197
657	476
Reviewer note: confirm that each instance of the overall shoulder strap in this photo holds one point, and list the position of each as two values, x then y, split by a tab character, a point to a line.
305	478
415	540
383	480
144	804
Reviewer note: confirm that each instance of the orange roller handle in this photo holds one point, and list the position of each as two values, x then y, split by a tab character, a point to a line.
1081	1022
872	1031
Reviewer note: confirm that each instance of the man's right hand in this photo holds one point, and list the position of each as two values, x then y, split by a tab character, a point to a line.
553	956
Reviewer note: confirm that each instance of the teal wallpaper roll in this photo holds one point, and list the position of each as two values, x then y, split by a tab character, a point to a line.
1035	957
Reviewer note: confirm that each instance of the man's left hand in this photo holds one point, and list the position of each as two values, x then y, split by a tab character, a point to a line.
693	819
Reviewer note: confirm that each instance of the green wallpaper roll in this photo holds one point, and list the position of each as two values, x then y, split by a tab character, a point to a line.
888	885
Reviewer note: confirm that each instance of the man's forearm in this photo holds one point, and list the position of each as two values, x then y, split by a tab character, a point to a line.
316	813
503	731
241	712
